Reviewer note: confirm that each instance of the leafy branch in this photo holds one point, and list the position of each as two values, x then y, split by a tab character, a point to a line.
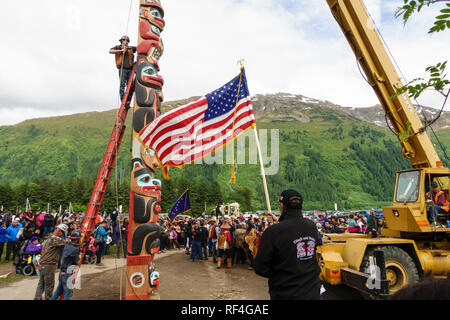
437	76
437	81
442	21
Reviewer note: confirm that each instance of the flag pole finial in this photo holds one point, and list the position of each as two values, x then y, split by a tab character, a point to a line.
241	62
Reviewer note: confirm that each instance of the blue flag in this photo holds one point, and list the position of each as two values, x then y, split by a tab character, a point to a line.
182	205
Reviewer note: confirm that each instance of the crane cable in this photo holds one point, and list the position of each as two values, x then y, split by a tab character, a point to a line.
427	122
338	18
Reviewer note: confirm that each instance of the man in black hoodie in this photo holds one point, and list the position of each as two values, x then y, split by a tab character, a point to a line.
287	253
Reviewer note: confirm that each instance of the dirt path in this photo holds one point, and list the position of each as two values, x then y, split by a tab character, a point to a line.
181	279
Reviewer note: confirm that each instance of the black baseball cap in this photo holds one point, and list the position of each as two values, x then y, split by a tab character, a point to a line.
291	199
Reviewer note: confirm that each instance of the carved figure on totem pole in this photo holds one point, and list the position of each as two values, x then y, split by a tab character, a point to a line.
145	191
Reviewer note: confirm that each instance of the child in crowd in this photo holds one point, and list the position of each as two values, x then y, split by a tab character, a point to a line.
91	253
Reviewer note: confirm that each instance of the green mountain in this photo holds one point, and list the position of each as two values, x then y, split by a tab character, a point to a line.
329	153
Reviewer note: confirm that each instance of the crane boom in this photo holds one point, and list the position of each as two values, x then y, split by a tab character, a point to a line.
381	74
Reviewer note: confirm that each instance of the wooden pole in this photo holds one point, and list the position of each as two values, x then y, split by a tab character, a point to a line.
266	192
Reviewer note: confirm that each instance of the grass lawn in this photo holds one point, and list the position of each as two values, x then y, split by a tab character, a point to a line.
12	278
6	267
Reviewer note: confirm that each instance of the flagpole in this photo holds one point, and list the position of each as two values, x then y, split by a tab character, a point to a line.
233	173
263	173
258	147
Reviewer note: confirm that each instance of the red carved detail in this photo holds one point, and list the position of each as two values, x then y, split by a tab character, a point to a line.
144	46
145	13
138	260
146	32
152	3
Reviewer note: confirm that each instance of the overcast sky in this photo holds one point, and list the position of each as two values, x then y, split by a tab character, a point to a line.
56	62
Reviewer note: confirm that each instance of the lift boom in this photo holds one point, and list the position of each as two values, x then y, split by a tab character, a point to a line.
414	241
381	74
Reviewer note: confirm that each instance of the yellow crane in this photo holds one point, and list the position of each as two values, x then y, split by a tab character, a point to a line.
412	247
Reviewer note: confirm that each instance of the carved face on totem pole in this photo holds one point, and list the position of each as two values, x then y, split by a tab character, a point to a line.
147	73
151	24
149	50
143	183
145	190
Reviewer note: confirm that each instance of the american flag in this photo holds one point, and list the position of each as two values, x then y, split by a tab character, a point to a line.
197	129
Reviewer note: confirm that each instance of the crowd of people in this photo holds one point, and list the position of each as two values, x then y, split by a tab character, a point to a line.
227	240
33	227
40	242
230	240
223	239
353	223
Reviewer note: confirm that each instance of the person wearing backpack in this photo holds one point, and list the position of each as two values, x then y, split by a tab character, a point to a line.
100	238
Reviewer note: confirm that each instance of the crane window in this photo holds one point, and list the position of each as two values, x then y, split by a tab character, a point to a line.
408	186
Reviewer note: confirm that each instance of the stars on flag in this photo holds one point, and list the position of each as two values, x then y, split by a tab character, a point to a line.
223	100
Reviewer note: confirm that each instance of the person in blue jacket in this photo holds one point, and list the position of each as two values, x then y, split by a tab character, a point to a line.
11	235
3	238
101	237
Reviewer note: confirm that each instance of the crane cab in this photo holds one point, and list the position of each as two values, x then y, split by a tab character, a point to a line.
411	211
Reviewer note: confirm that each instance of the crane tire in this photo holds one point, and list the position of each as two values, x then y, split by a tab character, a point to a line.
400	267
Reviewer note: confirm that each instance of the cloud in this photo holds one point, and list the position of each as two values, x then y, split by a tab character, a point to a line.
58	62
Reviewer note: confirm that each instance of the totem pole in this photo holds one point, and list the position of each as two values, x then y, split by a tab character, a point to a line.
145	191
